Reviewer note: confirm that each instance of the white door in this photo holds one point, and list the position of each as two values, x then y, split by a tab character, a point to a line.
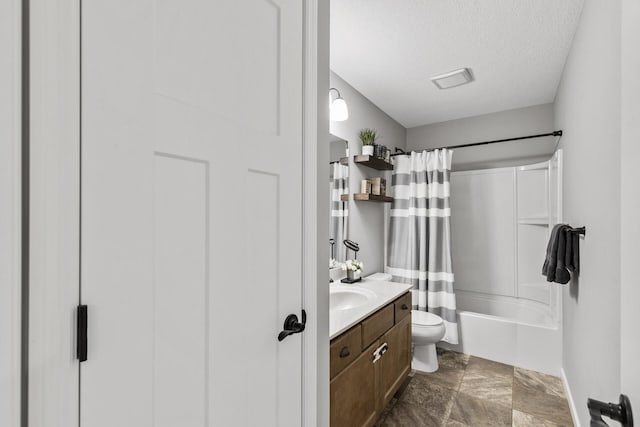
191	212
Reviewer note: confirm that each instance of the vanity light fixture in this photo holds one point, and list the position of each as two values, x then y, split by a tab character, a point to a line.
338	107
453	78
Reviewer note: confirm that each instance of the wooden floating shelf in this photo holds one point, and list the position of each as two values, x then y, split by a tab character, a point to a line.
373	162
366	197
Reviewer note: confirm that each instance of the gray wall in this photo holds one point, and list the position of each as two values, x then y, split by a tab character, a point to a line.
9	214
505	124
588	110
366	219
630	201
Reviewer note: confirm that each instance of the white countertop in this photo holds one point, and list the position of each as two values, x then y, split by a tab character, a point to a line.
385	292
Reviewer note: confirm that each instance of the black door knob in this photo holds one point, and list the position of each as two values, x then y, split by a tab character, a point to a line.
618	412
292	326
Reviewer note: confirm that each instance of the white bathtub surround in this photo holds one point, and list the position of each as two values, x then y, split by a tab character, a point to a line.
419	243
516	332
376	294
501	221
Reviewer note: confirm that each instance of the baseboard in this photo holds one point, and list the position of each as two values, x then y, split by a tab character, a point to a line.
572	405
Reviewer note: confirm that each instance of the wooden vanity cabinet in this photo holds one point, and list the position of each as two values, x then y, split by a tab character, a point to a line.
360	387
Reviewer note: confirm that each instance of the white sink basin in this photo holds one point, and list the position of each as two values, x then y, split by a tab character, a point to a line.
346	298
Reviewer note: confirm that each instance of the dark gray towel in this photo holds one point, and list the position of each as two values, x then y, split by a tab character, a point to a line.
575	250
562	274
563	255
551	260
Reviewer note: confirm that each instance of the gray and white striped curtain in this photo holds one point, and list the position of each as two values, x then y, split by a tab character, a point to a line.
419	245
339	219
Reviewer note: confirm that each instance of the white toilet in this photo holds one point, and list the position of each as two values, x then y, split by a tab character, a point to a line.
426	330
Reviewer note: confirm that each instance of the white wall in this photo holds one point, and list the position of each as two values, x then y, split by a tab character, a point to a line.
10	236
587	108
366	219
630	202
504	124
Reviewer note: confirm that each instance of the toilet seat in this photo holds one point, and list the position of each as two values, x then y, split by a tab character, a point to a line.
424	318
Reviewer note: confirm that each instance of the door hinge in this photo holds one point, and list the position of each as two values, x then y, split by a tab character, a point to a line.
81	333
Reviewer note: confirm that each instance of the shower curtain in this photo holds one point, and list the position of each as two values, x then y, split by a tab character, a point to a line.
419	245
339	219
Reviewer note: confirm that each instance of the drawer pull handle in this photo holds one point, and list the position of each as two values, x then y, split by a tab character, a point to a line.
345	352
404	307
377	354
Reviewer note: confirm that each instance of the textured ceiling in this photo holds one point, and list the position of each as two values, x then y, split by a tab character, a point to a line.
388	49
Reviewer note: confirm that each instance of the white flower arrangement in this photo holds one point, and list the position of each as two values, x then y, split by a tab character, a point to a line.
352	265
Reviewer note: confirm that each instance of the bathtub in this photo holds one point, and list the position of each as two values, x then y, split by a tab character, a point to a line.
510	330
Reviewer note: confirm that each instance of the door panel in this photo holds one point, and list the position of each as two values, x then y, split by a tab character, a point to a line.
191	212
396	362
180	292
353	392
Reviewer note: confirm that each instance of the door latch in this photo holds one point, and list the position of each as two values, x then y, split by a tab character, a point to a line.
620	412
292	326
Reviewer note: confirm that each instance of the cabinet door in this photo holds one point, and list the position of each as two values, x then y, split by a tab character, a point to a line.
354	392
396	362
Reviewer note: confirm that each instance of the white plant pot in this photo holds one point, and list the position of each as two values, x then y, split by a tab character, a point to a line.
353	275
367	150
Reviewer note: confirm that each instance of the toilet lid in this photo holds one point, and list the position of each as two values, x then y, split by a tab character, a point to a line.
425	318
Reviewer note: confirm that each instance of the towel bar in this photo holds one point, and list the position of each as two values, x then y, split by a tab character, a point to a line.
580	230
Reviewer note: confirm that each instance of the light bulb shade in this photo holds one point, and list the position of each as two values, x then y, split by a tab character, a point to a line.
339	111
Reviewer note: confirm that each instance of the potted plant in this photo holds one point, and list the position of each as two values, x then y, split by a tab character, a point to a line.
353	268
368	138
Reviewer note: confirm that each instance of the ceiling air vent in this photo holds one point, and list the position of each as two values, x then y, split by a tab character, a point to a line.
453	78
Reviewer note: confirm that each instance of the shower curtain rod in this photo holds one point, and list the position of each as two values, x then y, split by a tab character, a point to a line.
400	151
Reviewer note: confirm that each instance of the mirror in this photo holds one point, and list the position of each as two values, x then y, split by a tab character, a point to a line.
338	208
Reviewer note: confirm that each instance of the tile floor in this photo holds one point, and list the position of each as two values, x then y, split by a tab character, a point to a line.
468	391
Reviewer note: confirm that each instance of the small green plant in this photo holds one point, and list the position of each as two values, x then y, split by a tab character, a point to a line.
368	136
